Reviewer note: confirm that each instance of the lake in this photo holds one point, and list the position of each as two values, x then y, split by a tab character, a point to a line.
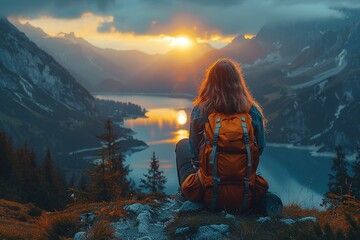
294	174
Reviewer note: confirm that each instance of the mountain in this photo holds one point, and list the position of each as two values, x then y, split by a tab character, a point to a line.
309	83
88	64
304	74
40	101
102	69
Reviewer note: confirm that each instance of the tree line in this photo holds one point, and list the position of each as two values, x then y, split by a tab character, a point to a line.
23	179
344	178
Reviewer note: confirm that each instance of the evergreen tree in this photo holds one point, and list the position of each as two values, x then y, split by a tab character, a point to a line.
52	187
6	156
339	180
108	177
154	180
22	180
25	172
355	183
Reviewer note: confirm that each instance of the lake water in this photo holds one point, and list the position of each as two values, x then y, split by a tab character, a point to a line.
294	174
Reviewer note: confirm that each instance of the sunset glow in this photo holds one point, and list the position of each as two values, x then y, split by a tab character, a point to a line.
87	27
181	42
249	36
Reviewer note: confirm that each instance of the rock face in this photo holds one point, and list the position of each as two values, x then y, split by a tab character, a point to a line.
39	100
309	85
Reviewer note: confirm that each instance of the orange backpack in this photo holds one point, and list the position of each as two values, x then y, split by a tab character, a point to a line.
228	160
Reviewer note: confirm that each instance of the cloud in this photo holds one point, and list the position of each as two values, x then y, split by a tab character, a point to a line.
194	17
55	8
214	2
202	18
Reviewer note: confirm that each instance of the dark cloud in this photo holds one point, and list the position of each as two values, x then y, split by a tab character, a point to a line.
214	2
56	8
198	17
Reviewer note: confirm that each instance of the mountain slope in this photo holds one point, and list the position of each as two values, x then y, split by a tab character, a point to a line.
311	92
94	66
40	101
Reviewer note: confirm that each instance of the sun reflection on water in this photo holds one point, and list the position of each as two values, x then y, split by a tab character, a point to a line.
163	125
182	117
160	117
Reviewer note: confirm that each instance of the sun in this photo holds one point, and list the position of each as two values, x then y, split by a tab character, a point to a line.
183	42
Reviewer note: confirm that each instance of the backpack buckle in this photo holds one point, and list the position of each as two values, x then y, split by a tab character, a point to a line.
217	179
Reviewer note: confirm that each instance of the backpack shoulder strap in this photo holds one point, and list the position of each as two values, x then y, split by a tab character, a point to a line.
248	151
213	162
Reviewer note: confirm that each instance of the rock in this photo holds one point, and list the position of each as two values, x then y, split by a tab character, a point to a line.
144	238
87	219
182	230
288	221
263	219
189	206
144	219
215	231
304	219
169	222
80	236
120	228
230	216
137	208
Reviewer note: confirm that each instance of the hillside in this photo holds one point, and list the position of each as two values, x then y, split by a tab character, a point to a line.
164	218
40	101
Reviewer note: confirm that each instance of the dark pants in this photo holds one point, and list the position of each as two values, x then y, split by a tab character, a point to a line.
183	160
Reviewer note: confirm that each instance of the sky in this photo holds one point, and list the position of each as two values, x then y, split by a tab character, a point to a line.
157	26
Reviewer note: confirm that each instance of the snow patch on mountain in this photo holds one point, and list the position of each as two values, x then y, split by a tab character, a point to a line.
337	113
305	48
270	58
342	63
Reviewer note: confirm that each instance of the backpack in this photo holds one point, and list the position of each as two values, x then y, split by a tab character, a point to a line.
229	157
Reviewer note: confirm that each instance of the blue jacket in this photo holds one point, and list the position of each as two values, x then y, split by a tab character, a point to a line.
197	125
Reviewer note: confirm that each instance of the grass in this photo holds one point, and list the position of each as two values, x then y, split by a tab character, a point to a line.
26	221
16	221
246	227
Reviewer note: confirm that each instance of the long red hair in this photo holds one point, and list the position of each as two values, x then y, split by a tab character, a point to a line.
224	89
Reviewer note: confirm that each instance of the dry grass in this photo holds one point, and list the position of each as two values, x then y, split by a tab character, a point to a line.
22	221
246	227
101	230
16	222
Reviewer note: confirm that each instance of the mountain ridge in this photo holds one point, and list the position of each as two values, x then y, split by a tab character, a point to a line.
41	101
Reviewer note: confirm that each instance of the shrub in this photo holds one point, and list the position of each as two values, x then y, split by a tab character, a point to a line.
35	211
57	226
101	230
14	208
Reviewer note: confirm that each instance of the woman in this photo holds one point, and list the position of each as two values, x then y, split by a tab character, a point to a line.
203	177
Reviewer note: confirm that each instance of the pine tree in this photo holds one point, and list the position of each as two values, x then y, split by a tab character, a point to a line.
154	180
25	173
339	180
6	169
52	187
355	183
108	178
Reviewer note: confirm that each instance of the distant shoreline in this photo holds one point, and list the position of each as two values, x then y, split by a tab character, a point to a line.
313	150
153	94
